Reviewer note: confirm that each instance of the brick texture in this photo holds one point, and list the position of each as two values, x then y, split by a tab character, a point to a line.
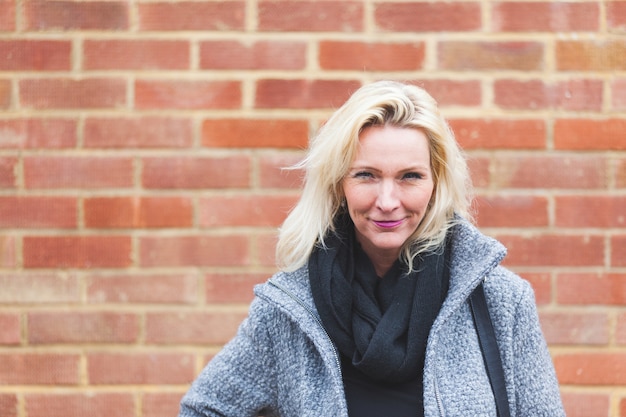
98	405
142	155
25	55
89	93
7	15
44	15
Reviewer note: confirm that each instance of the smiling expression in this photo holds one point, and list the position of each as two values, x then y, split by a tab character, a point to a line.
387	190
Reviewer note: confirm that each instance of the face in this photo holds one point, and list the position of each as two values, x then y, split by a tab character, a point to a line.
388	188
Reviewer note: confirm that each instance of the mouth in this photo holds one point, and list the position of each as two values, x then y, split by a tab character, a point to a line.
387	224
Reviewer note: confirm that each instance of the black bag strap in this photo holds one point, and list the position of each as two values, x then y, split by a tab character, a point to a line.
489	348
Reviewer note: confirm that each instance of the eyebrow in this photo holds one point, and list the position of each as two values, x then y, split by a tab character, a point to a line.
417	167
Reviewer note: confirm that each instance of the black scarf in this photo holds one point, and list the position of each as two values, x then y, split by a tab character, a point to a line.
382	325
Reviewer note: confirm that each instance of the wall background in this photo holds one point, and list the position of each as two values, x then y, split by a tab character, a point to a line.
140	189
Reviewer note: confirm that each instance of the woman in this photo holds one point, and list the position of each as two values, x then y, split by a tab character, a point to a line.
369	315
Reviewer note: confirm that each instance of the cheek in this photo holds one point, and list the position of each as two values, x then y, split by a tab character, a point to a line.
359	199
420	201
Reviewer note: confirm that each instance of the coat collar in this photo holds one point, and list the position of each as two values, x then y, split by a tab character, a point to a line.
473	256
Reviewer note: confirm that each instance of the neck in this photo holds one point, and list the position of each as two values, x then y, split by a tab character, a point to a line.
382	262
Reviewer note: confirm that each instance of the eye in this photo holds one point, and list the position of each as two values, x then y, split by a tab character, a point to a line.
412	176
362	175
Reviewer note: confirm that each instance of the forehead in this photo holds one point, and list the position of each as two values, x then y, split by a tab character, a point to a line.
383	145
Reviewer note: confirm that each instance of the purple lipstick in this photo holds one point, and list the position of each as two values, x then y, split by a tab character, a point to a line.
388	224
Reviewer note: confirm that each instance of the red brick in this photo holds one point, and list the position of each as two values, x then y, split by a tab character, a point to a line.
8	404
310	16
545	17
618	93
277	55
371	56
423	16
8	257
536	94
38	212
132	54
44	288
513	211
467	93
620	332
582	404
5	94
591	289
139	368
590	211
462	55
47	327
620	173
196	173
152	289
231	288
479	168
63	93
192	15
554	250
586	368
161	404
616	19
192	328
622	407
10	332
77	251
77	172
35	55
596	55
618	252
499	134
542	286
265	249
274	170
575	328
260	211
544	172
39	369
194	251
101	404
255	133
68	15
46	133
187	94
138	132
587	134
303	94
138	212
8	169
7	22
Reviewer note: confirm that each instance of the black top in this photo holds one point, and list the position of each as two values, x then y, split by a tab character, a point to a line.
369	398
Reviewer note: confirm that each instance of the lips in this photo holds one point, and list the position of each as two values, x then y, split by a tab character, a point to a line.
388	224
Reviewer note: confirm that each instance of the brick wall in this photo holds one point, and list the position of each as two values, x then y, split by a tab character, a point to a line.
140	191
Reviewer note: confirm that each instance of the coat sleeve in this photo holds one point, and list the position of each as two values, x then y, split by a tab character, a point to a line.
238	381
535	384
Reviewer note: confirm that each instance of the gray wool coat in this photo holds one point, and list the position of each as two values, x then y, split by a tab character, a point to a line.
283	363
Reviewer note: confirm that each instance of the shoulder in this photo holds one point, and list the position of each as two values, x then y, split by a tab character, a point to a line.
288	294
284	287
504	284
511	300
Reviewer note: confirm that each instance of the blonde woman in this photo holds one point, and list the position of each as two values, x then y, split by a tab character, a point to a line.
370	313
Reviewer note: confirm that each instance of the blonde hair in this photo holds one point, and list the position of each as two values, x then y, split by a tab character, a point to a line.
332	151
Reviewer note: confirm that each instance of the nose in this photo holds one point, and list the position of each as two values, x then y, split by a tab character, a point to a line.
387	199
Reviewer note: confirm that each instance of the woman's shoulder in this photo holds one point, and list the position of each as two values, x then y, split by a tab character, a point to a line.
289	292
507	291
292	283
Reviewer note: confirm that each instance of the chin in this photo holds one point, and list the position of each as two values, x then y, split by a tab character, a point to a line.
389	246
